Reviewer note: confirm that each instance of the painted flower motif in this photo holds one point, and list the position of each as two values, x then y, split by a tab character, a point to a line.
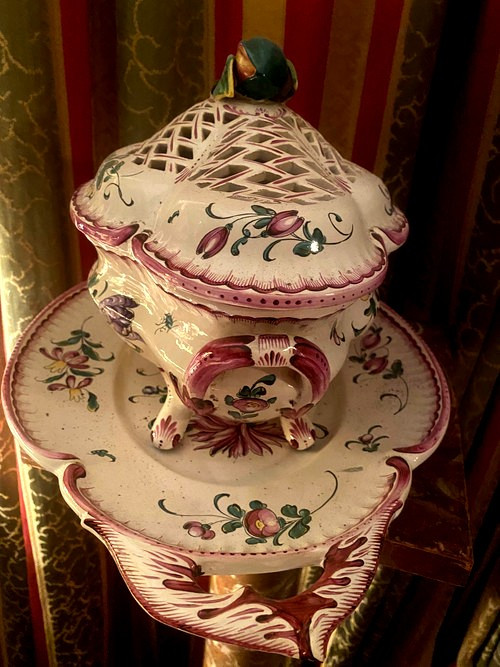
236	438
369	442
213	242
250	404
263	222
64	360
375	365
284	223
118	310
76	392
373	353
371	339
261	523
198	529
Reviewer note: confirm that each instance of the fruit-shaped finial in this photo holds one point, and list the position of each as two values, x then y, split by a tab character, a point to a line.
259	71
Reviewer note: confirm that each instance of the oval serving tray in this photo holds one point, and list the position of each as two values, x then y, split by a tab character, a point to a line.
230	498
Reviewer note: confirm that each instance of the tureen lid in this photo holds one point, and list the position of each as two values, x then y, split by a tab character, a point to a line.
242	201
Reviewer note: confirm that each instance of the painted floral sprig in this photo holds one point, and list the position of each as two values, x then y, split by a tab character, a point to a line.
368	441
265	222
249	401
259	522
68	366
373	355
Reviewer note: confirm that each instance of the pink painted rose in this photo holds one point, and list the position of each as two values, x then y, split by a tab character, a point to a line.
198	529
284	223
250	404
213	242
366	438
261	523
375	365
371	339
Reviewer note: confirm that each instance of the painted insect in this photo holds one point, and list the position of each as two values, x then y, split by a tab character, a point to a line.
166	323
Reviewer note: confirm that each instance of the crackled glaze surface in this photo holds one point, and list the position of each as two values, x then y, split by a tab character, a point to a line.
258	507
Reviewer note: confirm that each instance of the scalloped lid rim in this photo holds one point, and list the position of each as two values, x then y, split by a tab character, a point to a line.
244	204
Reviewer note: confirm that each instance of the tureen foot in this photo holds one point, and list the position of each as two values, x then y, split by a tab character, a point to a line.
299	431
170	424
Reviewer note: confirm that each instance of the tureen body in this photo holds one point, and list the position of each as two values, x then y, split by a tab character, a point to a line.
240	253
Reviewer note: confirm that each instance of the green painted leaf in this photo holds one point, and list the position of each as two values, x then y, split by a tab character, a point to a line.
318	236
163	399
397	367
218	497
77	332
272	400
92	402
234	414
235	248
89	342
229	400
337	217
90	352
244	392
281	522
268	379
266	252
262	222
388	376
358	360
54	378
87	374
210	213
303	249
235	510
298	530
256	505
92	280
307	231
258	391
261	210
68	341
304	512
231	526
255	540
290	511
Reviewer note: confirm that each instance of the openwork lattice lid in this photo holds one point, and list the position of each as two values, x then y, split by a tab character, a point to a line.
243	201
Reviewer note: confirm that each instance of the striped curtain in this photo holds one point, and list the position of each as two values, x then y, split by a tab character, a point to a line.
409	89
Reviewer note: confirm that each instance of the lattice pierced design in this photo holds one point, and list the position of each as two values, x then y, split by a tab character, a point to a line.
253	158
175	148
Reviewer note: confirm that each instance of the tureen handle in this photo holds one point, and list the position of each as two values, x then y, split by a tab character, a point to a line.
269	351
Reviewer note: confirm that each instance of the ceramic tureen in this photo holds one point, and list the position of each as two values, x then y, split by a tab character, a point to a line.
239	252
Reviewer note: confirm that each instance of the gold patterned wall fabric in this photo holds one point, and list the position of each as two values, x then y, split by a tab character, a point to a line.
160	63
78	81
35	247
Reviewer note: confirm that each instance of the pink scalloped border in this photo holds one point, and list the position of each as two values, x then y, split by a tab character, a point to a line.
249	295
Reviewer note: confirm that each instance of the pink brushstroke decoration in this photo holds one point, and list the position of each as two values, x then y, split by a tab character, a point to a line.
235	439
226	354
164	580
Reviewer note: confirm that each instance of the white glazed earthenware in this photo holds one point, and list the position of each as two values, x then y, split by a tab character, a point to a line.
240	253
235	498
